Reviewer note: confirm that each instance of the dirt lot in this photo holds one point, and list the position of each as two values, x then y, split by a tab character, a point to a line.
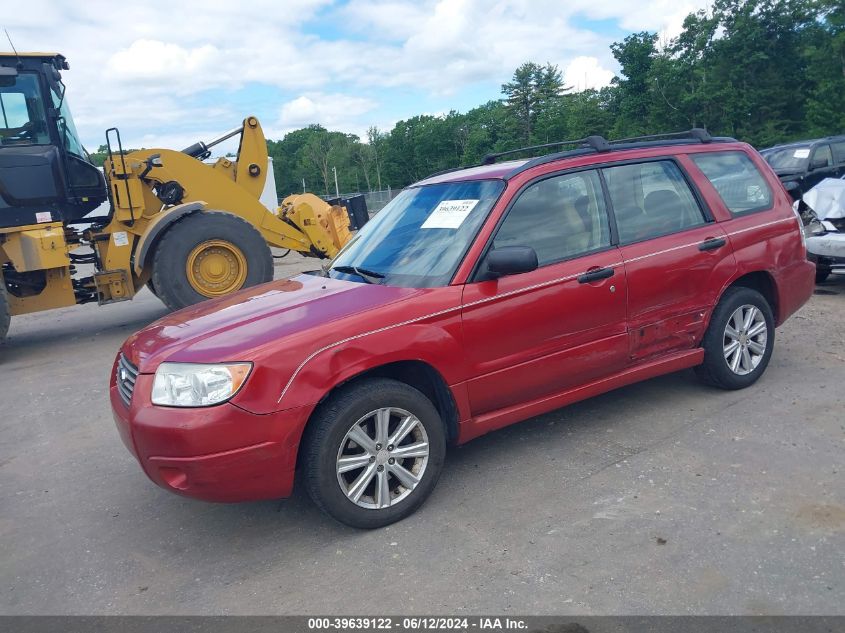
663	497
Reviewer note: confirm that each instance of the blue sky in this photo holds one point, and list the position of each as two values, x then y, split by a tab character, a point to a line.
171	73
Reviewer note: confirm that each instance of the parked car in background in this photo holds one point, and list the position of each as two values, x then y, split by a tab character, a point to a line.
825	204
477	298
803	164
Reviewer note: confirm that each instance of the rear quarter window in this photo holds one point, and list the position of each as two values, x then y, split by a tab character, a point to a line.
736	178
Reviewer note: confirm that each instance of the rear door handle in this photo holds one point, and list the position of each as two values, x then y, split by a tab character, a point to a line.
595	275
712	243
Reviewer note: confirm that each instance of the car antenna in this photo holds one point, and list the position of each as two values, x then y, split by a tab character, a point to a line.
9	37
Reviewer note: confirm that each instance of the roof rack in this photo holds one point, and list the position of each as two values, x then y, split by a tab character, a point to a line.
597	143
601	144
695	134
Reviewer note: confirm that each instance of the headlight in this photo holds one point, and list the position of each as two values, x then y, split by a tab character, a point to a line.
193	385
814	227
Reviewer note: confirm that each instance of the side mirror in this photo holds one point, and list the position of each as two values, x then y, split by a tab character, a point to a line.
818	163
511	260
793	189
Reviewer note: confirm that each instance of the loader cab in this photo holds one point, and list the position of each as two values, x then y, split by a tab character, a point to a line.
45	173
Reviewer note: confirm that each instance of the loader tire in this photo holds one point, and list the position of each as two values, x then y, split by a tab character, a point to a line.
208	255
5	315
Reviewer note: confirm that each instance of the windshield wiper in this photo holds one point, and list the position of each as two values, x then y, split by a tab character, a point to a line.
370	276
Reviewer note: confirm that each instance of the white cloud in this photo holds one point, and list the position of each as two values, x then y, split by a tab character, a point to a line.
153	60
335	111
586	72
192	68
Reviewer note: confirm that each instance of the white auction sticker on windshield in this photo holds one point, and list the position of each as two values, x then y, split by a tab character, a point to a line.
449	214
801	153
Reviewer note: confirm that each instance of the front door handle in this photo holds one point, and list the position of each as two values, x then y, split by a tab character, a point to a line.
595	274
712	243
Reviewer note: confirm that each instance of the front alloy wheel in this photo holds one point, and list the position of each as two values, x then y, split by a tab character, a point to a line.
382	458
372	452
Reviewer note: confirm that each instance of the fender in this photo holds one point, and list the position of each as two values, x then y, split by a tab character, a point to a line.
435	344
156	227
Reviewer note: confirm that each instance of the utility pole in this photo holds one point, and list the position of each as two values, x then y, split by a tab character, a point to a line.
304	190
336	189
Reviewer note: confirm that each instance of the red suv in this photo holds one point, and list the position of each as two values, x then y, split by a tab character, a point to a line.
477	298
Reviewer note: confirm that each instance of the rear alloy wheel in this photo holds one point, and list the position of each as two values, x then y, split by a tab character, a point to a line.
373	453
208	255
739	340
5	313
745	338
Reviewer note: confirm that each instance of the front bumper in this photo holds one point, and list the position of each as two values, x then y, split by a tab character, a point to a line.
827	251
221	453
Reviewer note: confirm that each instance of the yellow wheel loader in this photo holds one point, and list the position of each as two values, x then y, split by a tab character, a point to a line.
187	229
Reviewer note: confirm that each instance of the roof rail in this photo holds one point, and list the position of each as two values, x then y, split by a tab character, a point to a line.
489	159
697	134
601	144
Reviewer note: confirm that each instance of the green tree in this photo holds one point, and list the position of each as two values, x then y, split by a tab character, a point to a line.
824	51
102	153
635	55
533	89
764	71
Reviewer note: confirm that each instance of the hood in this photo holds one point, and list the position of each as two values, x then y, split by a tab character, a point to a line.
827	199
236	327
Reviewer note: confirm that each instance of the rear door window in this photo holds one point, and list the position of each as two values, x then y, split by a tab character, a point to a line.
822	157
839	152
737	180
651	199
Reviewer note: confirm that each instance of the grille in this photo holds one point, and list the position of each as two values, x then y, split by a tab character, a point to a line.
127	373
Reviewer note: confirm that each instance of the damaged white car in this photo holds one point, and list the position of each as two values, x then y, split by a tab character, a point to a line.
823	208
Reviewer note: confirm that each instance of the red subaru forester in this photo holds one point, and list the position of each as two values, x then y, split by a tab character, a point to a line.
477	298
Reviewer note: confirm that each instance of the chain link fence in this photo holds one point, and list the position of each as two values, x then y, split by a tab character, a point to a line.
376	200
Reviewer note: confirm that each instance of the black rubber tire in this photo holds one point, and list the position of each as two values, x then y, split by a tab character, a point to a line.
715	370
5	314
169	277
151	287
329	426
822	275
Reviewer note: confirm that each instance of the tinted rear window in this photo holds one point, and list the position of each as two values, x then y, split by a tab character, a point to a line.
737	179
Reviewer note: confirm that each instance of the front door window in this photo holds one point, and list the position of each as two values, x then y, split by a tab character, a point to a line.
560	218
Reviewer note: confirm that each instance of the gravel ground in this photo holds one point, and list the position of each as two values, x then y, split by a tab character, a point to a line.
662	497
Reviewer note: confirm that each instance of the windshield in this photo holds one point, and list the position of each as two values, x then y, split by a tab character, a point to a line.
419	239
22	117
794	157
